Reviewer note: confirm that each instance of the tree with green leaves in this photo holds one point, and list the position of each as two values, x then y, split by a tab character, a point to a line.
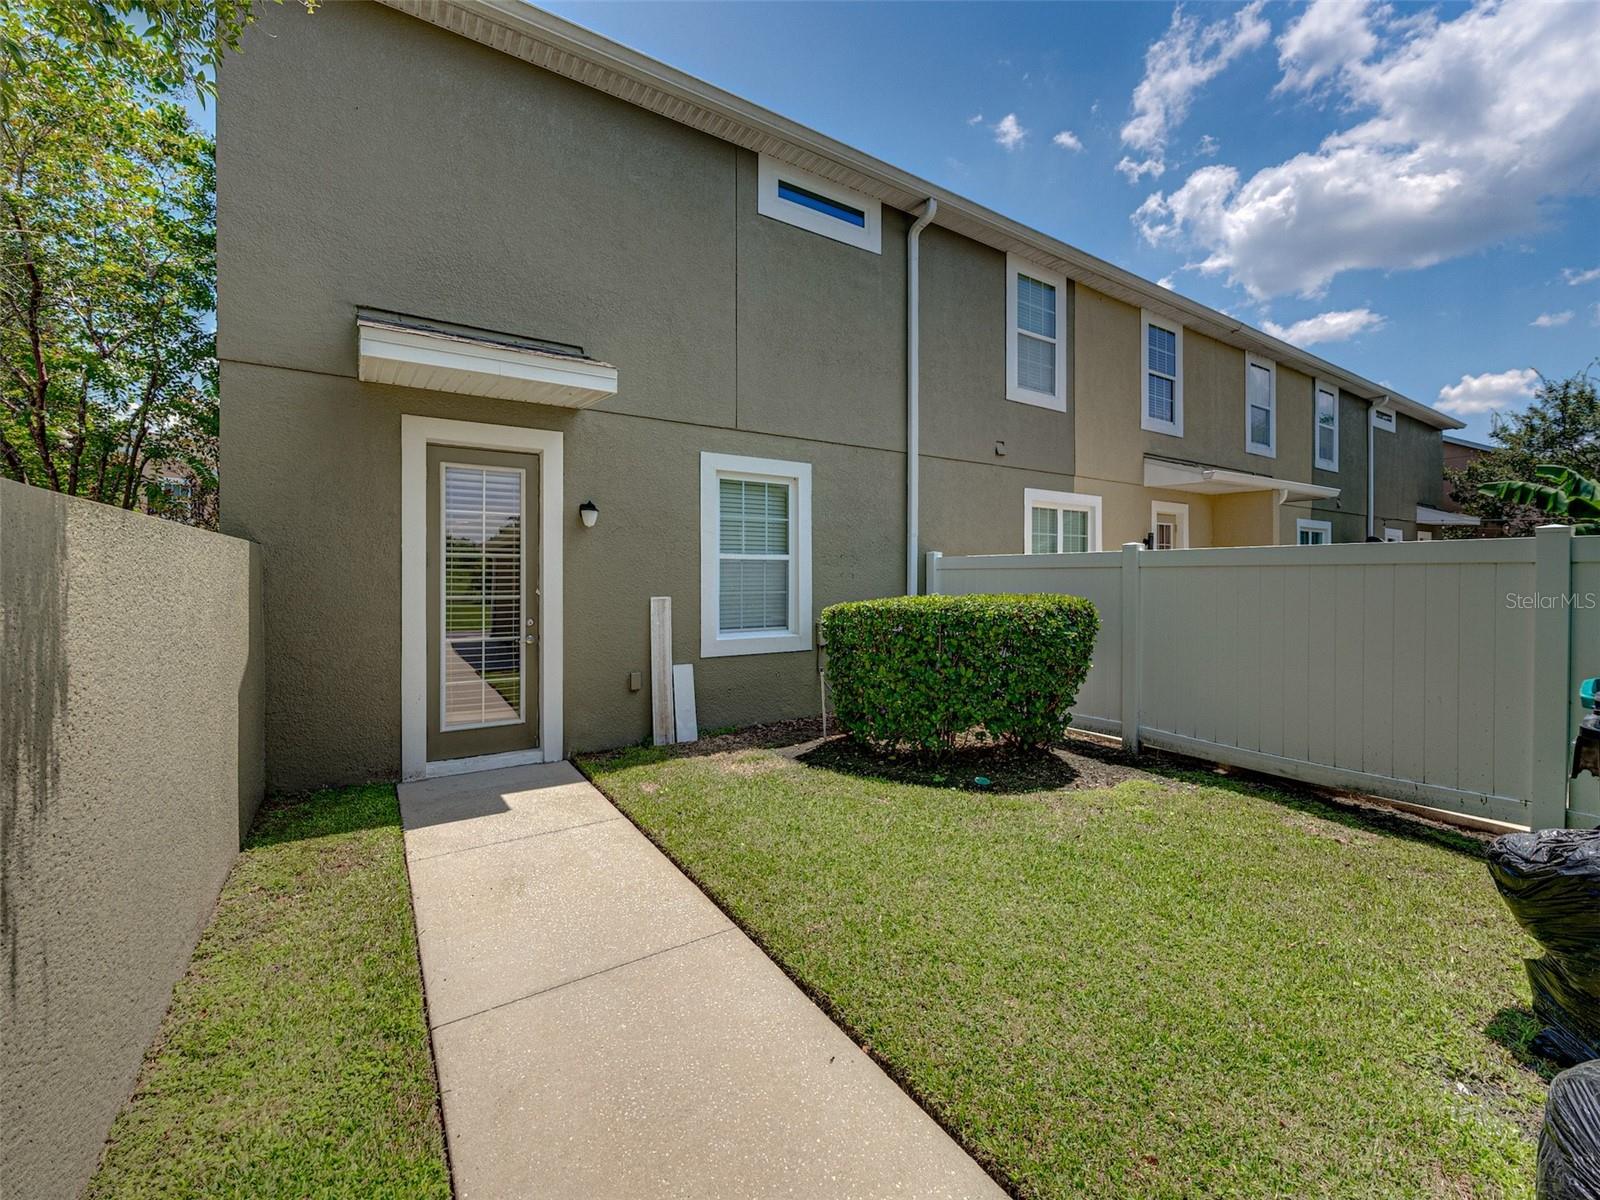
1559	430
107	258
1560	493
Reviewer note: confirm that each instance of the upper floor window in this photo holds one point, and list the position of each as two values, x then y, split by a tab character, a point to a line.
1036	335
755	555
1327	426
800	198
1260	406
1161	368
1060	522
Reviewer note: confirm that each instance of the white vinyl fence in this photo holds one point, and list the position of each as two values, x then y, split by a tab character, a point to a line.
1438	673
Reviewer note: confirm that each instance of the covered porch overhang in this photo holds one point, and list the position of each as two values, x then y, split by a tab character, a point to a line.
1438	517
1174	475
445	357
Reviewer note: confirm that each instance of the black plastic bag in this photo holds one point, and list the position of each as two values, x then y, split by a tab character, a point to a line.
1550	881
1569	1143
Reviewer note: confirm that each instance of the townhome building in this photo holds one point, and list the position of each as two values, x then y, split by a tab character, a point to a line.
520	329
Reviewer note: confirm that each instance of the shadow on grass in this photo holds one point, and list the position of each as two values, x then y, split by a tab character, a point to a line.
1082	762
1516	1028
1078	762
324	813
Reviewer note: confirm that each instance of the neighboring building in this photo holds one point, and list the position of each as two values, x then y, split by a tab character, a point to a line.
1459	453
479	267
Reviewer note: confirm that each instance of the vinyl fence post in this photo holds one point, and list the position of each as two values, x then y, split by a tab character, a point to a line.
930	585
1552	683
1132	652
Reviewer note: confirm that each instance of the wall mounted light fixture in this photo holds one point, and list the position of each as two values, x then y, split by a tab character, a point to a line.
588	513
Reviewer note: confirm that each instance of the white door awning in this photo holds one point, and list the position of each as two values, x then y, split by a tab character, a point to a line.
1217	481
441	357
1437	516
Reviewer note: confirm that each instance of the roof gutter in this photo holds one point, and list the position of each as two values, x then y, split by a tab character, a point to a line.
913	373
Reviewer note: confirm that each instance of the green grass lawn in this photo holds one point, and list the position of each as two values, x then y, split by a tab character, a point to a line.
1180	986
294	1061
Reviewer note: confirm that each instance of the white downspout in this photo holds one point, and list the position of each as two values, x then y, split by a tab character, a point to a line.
913	441
1372	464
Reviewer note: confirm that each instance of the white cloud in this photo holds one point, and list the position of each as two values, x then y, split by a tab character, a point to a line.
1451	157
1489	392
1327	327
1132	169
1067	140
1009	132
975	119
1328	37
1166	282
1594	316
1176	66
1551	320
1207	146
1576	277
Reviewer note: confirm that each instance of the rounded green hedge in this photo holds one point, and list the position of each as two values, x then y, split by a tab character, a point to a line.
922	670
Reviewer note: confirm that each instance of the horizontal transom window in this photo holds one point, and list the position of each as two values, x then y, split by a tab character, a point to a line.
819	205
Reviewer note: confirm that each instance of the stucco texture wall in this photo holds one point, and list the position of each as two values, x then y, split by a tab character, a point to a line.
130	765
464	185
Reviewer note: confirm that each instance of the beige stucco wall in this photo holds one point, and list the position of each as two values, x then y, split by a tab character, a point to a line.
130	764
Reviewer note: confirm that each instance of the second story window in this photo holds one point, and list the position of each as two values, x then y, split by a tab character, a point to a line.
1036	336
1260	406
810	202
1327	426
1161	369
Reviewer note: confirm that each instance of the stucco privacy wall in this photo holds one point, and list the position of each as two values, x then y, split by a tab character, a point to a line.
130	764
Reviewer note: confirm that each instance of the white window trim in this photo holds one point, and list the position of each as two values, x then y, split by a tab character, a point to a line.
1033	498
1014	391
1391	534
1146	421
769	171
1268	449
1319	386
1172	508
1303	525
713	642
416	434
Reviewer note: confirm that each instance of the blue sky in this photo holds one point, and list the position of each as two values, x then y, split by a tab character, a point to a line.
1424	181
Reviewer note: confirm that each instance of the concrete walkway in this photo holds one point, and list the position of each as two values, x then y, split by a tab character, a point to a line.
602	1030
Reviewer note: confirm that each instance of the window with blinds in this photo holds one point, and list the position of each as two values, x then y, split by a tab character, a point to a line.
1327	427
1036	335
755	562
1161	369
1035	332
1059	529
481	668
1260	407
1161	374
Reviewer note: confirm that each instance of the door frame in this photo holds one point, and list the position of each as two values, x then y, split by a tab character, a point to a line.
1180	526
416	435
